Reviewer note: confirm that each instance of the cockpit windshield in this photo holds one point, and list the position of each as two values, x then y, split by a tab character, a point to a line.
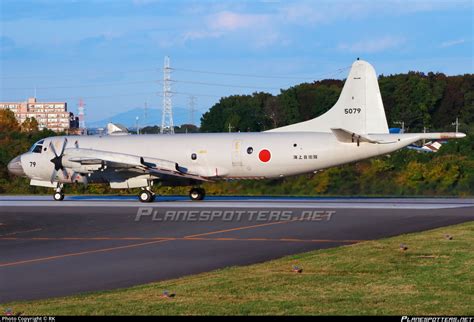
37	147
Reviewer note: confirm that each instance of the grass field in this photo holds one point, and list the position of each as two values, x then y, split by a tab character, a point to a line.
434	276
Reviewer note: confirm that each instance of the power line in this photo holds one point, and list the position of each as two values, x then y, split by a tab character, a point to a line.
256	75
65	98
255	87
192	108
224	85
54	75
107	84
201	95
101	73
115	95
165	92
142	82
83	86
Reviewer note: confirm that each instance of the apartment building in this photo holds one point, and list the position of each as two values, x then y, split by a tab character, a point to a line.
50	115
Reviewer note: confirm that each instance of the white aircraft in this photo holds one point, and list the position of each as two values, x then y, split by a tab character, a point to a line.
355	128
430	147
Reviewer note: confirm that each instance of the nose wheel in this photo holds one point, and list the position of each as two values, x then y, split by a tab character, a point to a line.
146	196
58	195
197	194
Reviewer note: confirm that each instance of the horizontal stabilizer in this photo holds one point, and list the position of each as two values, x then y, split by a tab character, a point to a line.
346	136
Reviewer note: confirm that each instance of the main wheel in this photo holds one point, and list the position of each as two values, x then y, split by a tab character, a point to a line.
58	196
197	194
146	196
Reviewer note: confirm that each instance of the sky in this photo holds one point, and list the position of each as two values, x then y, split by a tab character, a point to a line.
111	52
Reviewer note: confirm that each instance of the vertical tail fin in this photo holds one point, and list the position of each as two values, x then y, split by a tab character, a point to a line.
359	108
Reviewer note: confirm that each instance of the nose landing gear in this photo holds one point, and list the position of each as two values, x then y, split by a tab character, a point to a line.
197	194
59	195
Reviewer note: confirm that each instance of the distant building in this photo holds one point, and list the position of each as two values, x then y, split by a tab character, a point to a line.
49	115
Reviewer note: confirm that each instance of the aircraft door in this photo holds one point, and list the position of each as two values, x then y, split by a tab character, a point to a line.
237	153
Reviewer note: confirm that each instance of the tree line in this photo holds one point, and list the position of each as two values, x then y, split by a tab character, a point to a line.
431	101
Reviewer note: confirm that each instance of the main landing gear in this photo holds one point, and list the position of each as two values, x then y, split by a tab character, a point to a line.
58	194
197	194
146	195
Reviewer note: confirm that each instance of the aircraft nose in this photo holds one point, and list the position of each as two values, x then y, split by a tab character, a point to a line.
15	167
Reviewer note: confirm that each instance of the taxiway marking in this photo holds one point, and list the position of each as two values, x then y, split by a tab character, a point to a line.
21	232
242	228
183	238
79	253
155	240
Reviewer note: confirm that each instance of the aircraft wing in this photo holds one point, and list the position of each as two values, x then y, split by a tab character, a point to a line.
98	160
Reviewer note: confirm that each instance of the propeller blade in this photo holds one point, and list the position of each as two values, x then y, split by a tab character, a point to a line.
64	146
51	147
65	174
53	176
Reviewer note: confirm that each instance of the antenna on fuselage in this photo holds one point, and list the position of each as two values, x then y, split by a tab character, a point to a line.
192	108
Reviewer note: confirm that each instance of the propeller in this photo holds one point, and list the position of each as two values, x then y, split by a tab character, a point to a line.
58	160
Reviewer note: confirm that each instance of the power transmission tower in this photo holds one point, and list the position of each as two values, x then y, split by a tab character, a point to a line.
145	114
137	127
81	114
167	126
192	108
402	123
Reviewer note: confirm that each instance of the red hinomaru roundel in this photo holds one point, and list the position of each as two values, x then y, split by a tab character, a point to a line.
264	155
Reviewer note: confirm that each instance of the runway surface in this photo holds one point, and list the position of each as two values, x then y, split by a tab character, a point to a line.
82	244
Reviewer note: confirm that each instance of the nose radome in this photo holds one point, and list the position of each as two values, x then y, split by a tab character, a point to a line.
14	167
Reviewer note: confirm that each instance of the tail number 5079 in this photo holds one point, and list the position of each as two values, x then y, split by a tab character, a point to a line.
352	110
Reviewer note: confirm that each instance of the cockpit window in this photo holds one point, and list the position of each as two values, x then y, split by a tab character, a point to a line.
37	147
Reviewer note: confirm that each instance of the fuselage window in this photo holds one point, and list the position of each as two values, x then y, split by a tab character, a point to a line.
249	150
193	156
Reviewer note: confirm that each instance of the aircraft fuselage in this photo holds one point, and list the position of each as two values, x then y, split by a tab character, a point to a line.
224	155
